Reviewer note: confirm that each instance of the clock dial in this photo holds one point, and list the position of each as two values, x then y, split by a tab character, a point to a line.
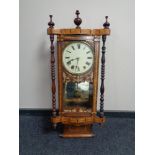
78	58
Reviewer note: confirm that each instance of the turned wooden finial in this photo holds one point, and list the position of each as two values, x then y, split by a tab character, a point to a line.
77	20
51	23
106	24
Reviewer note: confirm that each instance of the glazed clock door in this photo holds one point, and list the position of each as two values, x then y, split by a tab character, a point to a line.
77	60
78	96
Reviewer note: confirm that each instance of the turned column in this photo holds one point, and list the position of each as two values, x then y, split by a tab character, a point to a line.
106	26
51	25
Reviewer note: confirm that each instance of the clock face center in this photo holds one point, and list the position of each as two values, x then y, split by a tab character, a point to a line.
78	58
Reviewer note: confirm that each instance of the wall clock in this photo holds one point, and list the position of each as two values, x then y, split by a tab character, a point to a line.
78	52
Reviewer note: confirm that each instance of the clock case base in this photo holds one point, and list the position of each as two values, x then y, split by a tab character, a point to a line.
77	126
84	131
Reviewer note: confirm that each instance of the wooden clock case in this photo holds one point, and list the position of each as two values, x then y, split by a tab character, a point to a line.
77	123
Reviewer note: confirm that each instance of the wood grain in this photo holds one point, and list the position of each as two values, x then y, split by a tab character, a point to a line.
95	73
97	32
78	120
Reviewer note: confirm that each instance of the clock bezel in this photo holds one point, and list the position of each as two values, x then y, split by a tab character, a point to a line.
92	49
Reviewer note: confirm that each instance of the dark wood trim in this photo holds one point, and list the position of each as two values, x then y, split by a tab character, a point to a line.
102	77
53	76
48	112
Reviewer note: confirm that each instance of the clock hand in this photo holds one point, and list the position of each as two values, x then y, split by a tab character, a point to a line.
77	58
71	60
77	61
77	64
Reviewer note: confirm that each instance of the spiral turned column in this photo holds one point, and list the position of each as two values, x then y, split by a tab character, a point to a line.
51	25
102	78
106	26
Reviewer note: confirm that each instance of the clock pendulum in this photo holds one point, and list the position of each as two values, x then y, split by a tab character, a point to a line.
78	52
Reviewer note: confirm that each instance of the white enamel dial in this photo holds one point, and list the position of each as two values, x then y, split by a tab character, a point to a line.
78	58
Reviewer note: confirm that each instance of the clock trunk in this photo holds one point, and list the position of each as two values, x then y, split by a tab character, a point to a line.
78	92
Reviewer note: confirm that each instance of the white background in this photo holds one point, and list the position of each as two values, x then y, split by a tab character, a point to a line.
35	82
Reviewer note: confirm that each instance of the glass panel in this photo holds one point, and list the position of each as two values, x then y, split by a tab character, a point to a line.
78	96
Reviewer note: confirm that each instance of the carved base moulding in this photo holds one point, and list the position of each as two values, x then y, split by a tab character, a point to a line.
84	131
77	120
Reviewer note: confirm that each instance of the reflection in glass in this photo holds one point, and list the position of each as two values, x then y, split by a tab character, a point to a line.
78	96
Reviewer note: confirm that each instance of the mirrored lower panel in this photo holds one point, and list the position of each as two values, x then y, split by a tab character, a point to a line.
78	97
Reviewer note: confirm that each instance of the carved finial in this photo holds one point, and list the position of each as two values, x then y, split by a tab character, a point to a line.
77	20
106	24
51	23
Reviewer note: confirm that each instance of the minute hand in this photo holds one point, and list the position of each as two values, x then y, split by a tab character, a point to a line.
77	64
72	60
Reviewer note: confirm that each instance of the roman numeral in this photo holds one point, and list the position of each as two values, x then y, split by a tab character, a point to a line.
78	45
67	57
88	52
78	69
72	67
84	67
69	62
73	48
89	57
68	51
87	63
